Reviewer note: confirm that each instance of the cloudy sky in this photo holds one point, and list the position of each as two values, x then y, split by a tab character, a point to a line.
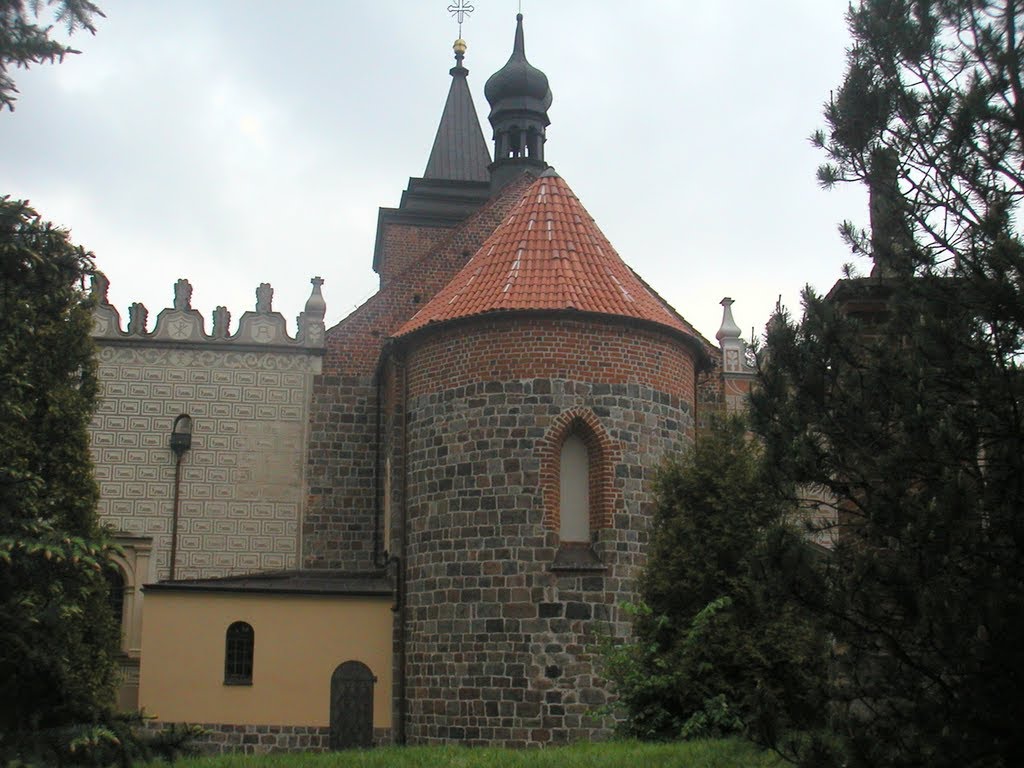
235	142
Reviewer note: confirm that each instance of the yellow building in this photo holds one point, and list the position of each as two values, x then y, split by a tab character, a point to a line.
308	652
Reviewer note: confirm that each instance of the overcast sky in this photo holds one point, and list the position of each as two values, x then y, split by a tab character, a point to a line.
235	142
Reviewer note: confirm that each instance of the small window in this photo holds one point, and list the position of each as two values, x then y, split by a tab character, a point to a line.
238	654
574	496
115	594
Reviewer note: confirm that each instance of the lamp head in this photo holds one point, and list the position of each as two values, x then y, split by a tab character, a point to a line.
181	434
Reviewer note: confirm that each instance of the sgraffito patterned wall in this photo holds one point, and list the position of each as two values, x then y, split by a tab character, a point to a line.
242	486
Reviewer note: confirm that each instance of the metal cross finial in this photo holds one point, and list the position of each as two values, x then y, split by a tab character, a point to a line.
460	9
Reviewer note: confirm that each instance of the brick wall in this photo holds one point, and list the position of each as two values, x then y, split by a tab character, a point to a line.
543	346
342	458
405	244
500	637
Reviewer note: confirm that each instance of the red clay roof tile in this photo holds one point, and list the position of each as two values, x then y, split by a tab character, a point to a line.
547	255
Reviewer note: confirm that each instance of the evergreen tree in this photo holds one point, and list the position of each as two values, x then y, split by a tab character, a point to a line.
901	393
718	647
25	41
58	636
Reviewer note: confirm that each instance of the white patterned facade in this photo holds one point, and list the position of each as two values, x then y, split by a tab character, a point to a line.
242	485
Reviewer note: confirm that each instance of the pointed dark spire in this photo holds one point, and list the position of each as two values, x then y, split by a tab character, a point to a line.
460	150
456	182
519	97
519	44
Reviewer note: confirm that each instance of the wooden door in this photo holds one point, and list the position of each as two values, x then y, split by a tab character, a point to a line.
352	706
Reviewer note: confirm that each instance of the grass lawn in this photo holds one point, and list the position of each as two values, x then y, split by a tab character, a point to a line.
693	754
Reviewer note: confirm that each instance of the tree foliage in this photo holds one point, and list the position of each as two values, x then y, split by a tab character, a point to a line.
25	41
57	633
718	647
901	393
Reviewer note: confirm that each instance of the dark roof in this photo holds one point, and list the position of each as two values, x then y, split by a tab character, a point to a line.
518	86
297	582
460	152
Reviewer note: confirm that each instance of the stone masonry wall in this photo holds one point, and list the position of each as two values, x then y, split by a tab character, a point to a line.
220	738
242	485
338	531
500	637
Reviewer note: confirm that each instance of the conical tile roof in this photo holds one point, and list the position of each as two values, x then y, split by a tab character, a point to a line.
547	255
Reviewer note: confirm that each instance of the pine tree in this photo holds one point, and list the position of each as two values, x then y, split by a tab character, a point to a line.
58	636
25	41
901	393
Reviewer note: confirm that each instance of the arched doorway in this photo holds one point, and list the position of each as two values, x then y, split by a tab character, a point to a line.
352	706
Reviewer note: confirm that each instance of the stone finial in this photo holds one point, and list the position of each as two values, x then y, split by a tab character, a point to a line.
316	307
264	299
99	285
183	295
138	316
221	323
729	329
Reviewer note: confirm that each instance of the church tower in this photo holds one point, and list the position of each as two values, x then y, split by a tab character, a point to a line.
454	185
488	429
459	152
533	398
520	97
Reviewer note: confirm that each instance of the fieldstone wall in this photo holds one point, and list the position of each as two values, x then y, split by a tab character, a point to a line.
501	629
221	738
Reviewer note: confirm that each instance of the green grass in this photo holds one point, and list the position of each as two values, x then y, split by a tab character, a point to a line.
692	754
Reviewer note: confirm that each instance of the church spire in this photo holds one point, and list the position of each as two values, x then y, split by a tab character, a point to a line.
519	97
460	151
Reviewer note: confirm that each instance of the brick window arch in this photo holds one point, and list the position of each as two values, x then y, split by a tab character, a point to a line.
601	457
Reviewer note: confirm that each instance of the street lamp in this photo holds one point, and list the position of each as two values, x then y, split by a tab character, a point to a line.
181	441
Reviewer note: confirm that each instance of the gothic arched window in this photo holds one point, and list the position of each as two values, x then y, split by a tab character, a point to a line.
238	651
577	471
574	491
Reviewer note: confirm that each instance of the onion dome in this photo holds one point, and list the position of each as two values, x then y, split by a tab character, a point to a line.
518	85
519	97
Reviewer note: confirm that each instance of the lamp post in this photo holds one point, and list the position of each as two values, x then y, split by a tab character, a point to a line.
181	441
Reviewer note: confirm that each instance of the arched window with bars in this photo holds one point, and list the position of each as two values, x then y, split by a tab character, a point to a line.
239	645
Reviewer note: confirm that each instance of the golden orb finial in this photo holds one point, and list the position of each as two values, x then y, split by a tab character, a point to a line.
460	47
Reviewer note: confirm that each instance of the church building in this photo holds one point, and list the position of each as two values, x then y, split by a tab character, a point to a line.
415	526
